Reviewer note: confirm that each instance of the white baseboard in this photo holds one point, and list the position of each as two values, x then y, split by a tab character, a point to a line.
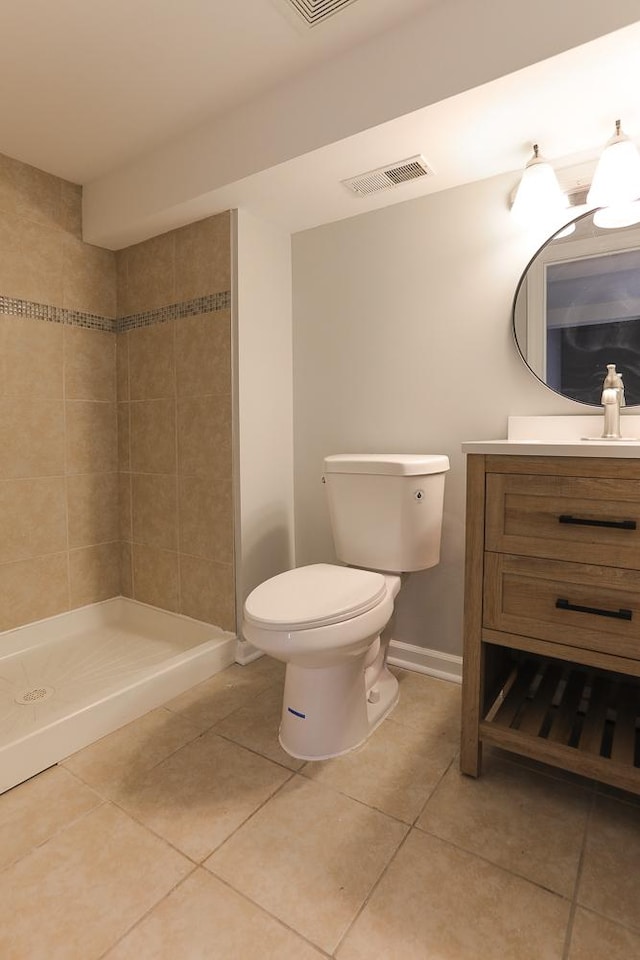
444	666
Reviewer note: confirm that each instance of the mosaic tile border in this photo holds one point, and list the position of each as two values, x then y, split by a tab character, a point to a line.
44	311
176	311
13	306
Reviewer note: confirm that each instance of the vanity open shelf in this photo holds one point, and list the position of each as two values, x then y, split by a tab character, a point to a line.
552	613
574	716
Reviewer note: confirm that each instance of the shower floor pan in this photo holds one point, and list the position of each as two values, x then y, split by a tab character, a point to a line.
69	680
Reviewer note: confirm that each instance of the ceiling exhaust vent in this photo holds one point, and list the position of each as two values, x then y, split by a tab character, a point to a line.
314	12
390	176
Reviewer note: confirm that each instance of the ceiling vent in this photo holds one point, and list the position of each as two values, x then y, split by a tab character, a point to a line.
390	176
314	12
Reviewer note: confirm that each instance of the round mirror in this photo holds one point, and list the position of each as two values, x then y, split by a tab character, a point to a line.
577	309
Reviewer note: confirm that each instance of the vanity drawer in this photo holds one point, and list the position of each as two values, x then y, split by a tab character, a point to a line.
592	520
580	605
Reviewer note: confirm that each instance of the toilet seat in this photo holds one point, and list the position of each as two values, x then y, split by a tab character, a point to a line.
317	595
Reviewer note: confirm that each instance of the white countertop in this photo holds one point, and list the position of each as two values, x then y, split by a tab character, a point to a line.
577	448
561	437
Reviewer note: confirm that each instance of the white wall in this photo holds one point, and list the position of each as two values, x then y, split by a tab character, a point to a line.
402	342
264	432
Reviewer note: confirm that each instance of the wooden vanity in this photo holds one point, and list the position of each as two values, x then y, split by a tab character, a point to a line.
552	610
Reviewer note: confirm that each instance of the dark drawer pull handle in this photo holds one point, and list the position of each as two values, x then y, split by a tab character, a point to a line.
616	614
618	524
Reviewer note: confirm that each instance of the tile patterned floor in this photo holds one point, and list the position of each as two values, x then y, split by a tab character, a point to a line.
189	835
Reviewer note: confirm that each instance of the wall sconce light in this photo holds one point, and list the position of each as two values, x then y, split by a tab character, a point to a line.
538	197
616	183
614	191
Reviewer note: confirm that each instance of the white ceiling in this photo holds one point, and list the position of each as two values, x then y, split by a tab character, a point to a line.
156	105
96	83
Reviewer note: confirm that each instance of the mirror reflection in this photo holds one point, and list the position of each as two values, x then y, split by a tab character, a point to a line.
577	309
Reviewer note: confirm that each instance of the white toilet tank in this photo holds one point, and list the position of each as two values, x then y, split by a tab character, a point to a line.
386	509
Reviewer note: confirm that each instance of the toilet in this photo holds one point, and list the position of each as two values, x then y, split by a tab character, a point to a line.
330	623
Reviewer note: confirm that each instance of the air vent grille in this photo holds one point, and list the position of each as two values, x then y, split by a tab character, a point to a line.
392	175
315	11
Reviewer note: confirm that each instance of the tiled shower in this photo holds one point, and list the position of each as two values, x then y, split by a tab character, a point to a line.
115	411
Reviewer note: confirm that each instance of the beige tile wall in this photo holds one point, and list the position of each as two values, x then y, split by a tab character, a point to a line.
58	470
174	421
115	473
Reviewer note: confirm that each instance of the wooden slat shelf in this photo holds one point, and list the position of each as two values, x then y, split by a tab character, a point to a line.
570	715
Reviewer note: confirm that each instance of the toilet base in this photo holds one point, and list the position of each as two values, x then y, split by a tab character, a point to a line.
328	711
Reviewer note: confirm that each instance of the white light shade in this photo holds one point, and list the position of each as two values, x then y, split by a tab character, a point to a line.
616	181
538	197
623	215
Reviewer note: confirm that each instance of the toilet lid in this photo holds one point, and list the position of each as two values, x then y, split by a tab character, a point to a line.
314	596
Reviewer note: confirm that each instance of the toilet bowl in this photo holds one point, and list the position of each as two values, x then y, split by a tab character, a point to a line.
329	623
325	622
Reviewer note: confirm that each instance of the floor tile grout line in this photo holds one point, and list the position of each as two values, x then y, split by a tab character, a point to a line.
256	753
229	738
358	800
492	863
433	791
101	803
200	864
593	791
363	803
85	783
576	885
248	818
172	753
76	776
242	706
148	769
255	812
198	735
616	923
147	912
263	909
118	800
587	787
372	891
113	801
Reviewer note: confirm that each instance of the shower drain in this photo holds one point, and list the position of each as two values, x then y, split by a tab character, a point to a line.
35	695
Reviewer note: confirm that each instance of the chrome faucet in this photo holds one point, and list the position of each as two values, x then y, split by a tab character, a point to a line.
613	400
